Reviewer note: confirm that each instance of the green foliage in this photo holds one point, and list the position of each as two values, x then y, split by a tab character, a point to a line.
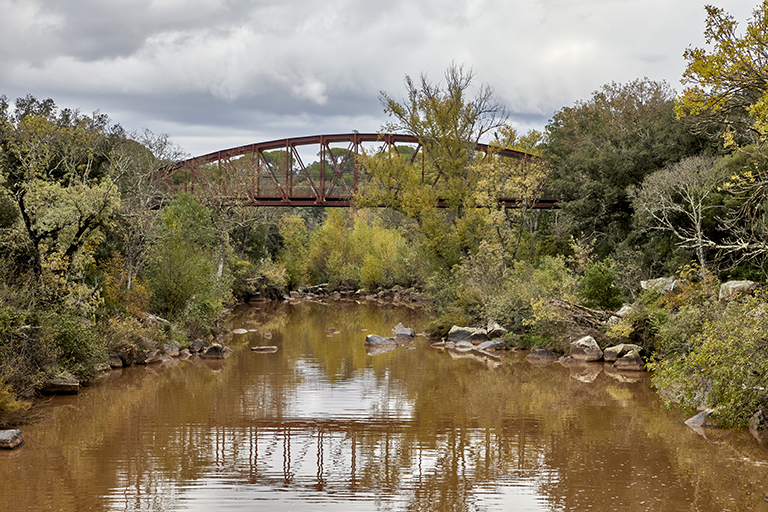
598	286
183	279
295	251
364	254
726	365
600	147
79	347
726	92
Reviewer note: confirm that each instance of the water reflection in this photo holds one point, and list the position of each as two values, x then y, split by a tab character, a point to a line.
321	425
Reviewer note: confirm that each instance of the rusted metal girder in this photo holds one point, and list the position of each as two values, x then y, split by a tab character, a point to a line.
259	180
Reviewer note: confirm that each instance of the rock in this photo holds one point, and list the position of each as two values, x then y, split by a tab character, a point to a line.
374	340
699	421
494	330
155	356
11	439
620	315
65	384
630	362
170	350
401	330
586	349
472	334
115	361
267	335
267	349
492	345
618	351
732	289
239	331
758	426
216	351
196	346
661	285
184	353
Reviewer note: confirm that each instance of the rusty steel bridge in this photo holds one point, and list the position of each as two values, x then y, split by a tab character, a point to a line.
274	173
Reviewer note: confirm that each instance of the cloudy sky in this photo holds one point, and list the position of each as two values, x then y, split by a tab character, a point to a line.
215	74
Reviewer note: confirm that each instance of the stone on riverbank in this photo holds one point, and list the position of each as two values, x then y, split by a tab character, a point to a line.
216	351
492	345
115	361
170	350
618	351
65	384
630	362
196	346
471	334
494	330
11	439
586	349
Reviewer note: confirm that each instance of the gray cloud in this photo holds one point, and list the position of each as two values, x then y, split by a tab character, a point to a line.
239	70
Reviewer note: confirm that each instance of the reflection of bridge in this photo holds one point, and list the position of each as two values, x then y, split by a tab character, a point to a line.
274	173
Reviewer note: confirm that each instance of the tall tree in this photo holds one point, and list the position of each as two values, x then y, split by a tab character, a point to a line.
600	147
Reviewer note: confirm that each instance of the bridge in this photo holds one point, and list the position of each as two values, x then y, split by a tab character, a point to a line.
277	173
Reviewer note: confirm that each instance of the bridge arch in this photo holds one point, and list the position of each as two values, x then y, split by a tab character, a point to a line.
278	172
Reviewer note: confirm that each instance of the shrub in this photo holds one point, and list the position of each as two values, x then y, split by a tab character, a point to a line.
725	366
598	288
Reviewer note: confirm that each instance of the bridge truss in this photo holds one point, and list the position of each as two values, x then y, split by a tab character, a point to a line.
318	170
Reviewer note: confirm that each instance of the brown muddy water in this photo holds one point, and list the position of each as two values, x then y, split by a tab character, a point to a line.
321	425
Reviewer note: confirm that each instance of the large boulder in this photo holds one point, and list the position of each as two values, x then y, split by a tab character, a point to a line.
732	289
630	362
586	349
472	334
196	346
661	285
618	351
11	439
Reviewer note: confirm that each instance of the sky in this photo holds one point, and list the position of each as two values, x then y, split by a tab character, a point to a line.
215	74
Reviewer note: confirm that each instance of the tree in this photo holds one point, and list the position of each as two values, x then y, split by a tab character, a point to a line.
449	122
683	199
726	92
57	171
600	147
726	97
182	269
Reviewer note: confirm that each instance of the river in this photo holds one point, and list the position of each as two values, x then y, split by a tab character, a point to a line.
321	425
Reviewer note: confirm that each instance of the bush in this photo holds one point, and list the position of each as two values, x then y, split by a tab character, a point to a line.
598	288
725	366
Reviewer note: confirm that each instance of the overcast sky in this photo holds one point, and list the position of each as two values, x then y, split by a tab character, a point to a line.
215	74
